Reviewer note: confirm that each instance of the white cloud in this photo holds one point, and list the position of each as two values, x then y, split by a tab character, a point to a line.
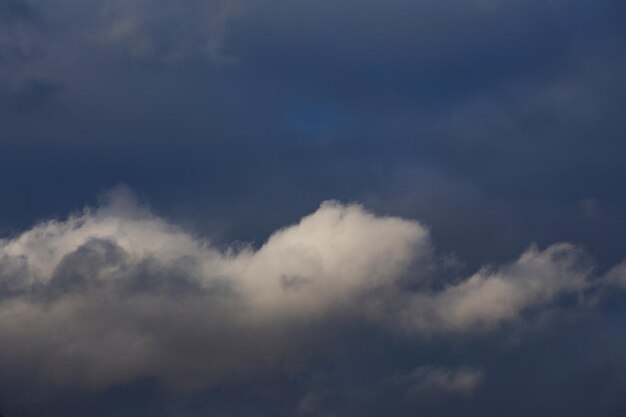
490	297
116	293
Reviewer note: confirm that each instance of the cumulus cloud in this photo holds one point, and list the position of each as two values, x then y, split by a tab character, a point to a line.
489	297
116	293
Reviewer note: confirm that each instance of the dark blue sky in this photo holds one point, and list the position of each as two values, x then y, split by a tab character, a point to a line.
495	124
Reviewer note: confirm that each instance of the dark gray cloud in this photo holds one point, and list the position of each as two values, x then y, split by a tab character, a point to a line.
475	110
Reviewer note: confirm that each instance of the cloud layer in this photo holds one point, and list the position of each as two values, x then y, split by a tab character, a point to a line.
116	294
497	123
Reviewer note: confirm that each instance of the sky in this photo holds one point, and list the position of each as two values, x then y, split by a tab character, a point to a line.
312	209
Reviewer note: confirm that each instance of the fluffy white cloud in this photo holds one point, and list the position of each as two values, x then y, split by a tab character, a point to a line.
116	293
490	297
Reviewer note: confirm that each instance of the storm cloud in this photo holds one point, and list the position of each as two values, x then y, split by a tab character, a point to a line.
343	208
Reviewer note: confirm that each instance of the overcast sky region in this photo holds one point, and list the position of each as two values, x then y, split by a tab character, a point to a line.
331	208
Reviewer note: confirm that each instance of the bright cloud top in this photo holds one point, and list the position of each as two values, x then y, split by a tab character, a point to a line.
117	293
